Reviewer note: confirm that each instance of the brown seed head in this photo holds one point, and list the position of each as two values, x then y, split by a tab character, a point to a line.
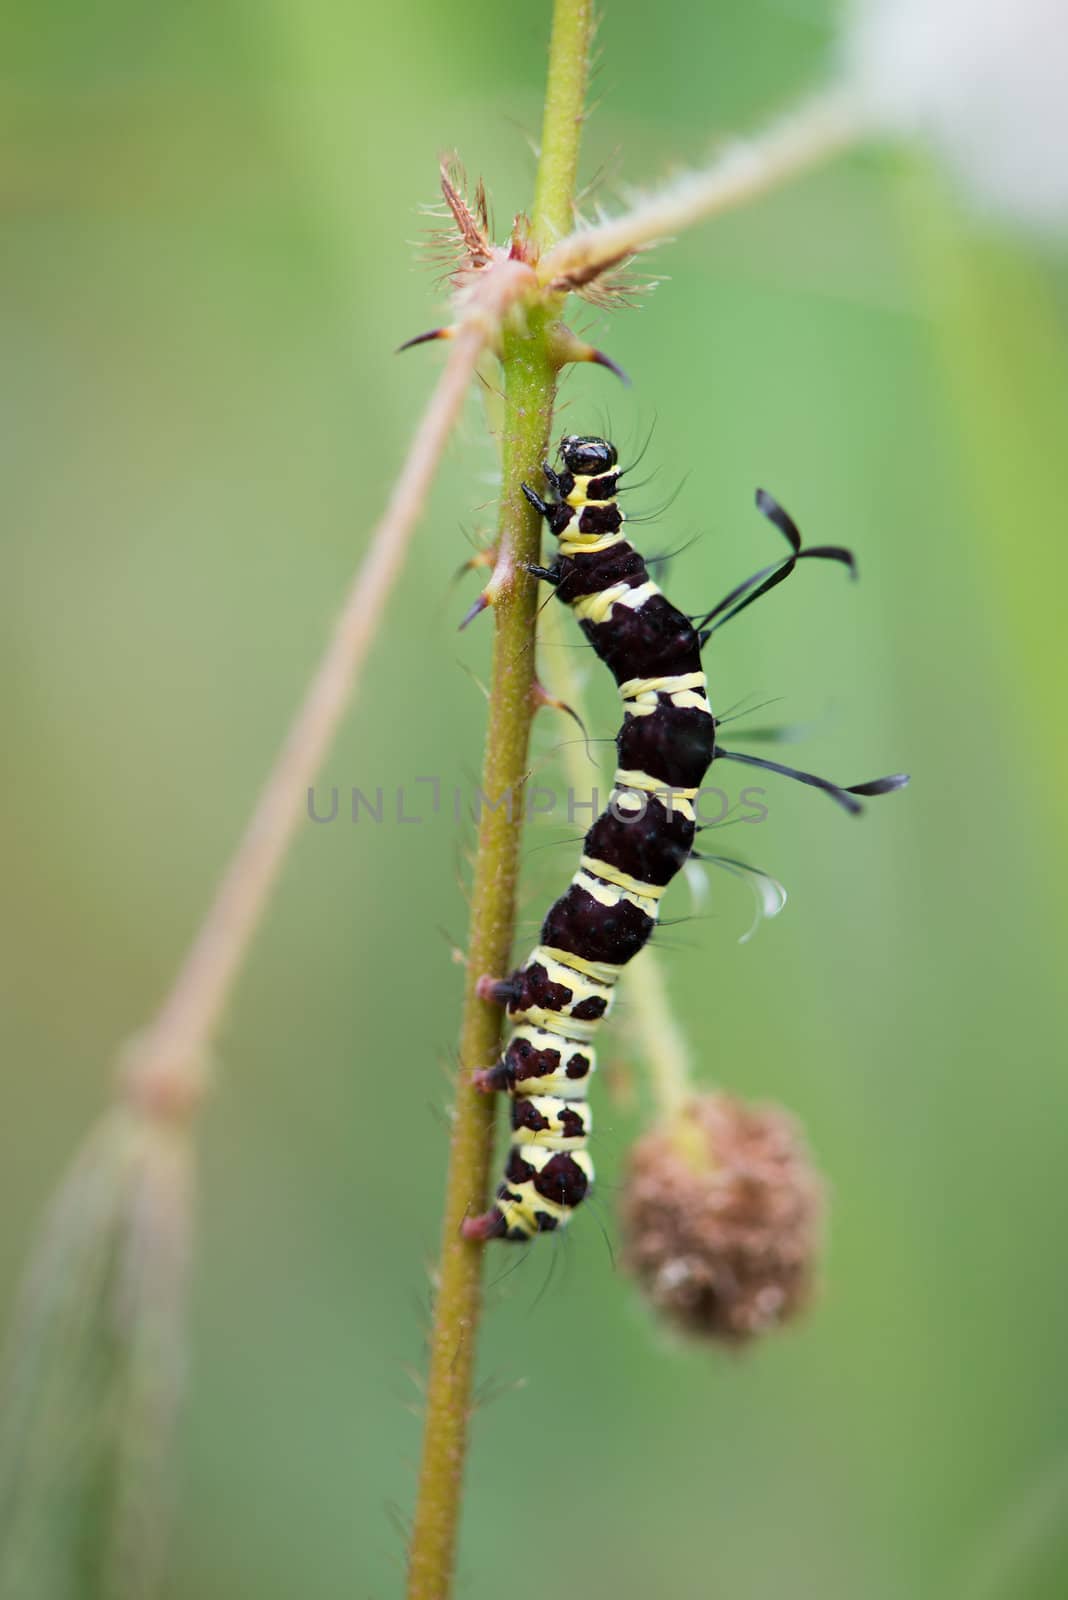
721	1211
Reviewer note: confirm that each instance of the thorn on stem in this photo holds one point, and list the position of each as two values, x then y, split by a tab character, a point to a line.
540	697
482	603
567	347
599	358
425	338
481	558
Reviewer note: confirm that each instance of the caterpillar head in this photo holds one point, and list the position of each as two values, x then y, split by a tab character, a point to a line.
585	456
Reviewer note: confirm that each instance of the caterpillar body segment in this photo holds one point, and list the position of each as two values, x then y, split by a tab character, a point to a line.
557	999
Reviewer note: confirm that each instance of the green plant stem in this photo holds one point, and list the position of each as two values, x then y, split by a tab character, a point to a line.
530	374
565	109
529	384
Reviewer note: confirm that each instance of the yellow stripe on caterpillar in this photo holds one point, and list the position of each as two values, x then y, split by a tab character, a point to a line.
641	696
622	880
579	495
558	1023
574	543
632	688
686	699
609	894
630	779
597	607
628	800
582	985
603	971
521	1213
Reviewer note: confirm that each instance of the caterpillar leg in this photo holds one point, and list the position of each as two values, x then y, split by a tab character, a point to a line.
540	1191
547	574
495	991
490	1225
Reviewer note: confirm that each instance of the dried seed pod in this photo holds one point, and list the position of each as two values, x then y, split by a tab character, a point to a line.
721	1211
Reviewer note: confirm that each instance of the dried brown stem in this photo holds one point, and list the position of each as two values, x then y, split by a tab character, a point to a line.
167	1063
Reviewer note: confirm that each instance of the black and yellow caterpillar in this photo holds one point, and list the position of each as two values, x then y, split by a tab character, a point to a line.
558	997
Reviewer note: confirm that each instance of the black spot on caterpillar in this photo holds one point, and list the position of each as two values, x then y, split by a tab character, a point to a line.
667	743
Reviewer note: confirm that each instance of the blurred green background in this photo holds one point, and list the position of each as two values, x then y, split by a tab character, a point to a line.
208	215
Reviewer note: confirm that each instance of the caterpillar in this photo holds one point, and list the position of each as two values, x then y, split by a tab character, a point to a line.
558	998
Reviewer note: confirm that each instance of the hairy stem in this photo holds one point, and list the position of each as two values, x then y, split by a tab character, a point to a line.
529	392
817	130
529	384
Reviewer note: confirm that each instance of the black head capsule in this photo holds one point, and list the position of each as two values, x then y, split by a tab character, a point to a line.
586	456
